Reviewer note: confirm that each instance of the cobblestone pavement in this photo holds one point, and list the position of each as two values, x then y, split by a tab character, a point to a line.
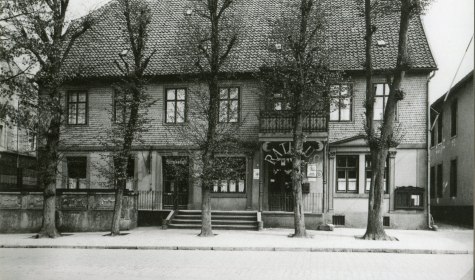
118	264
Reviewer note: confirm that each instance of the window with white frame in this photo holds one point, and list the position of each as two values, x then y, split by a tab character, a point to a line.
229	105
347	173
369	172
175	106
340	106
381	92
77	107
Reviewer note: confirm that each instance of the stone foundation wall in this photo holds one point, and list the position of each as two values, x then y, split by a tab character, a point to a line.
76	211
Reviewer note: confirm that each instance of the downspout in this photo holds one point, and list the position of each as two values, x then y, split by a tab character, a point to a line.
429	129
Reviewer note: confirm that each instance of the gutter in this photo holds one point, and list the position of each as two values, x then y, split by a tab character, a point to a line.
429	129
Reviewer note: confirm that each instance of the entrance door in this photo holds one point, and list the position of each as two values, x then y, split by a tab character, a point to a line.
280	186
175	174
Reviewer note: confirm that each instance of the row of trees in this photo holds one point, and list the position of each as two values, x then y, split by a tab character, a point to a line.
298	71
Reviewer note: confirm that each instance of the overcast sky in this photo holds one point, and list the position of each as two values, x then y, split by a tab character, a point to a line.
448	24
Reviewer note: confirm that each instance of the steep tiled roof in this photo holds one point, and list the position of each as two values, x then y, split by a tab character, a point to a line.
93	54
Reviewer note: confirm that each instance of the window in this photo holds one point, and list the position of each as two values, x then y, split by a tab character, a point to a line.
368	174
409	198
439	180
347	173
439	129
175	106
122	106
233	175
229	105
381	98
453	118
77	107
279	103
432	131
77	167
453	178
432	182
340	107
338	220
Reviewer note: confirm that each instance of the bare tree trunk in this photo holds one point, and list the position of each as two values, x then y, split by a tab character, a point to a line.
206	228
48	229
119	196
299	219
375	230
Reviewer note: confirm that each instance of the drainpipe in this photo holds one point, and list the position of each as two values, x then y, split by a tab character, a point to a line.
429	128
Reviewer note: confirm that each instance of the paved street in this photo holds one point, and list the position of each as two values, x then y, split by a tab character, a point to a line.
117	264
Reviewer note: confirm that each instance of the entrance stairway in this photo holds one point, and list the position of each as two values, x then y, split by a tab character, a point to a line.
232	220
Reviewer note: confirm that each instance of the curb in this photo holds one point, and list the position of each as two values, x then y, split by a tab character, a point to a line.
249	249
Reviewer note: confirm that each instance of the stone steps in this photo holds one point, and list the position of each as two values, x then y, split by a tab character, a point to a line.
224	220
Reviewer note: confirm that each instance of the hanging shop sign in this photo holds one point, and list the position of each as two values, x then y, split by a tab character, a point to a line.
280	151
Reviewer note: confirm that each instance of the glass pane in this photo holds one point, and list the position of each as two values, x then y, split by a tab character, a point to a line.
341	161
170	112
180	114
378	108
82	183
215	186
81	113
171	94
386	89
72	113
368	183
415	200
346	109
241	185
278	106
351	184
352	161
71	183
223	93
73	97
341	174
233	93
233	113
379	89
232	186
223	111
352	174
335	90
223	186
82	97
341	185
334	112
344	90
180	94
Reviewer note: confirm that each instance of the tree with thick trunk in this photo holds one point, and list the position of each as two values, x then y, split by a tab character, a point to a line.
381	139
298	79
210	36
38	31
131	95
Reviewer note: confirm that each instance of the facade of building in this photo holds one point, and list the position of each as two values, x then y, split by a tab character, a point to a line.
335	183
451	154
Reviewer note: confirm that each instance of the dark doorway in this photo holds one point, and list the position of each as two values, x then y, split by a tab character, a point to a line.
176	182
280	185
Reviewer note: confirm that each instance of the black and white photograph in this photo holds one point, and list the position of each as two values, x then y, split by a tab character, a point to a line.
237	139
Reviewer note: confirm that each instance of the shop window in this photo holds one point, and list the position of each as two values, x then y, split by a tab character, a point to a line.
175	106
77	107
232	173
347	173
409	198
340	107
229	105
77	167
368	174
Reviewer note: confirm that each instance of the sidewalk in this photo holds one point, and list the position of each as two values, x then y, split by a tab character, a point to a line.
340	240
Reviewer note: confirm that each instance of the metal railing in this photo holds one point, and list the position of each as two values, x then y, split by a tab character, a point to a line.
281	121
312	202
157	200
